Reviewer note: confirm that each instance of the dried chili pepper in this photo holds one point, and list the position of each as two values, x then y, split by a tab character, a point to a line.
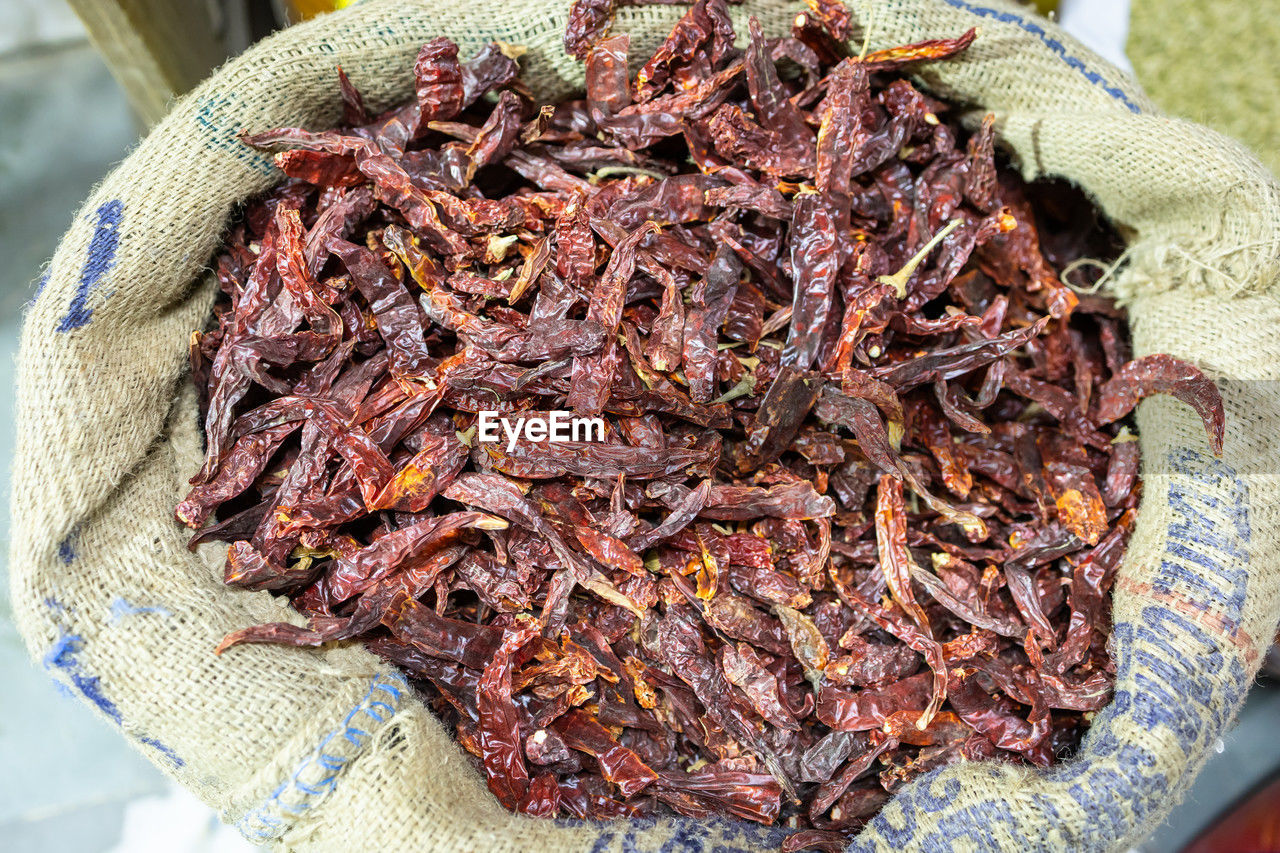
863	477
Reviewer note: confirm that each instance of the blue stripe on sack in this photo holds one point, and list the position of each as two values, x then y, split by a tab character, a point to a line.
102	255
122	607
40	286
1185	681
709	835
225	138
63	657
67	548
330	757
163	750
1053	44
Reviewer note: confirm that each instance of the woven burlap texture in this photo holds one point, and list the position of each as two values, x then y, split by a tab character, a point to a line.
1213	63
329	750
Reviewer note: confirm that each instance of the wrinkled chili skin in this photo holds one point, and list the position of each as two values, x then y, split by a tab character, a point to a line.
866	471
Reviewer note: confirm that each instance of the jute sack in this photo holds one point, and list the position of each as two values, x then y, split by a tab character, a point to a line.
329	750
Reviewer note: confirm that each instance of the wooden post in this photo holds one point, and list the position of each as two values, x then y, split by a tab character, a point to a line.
159	49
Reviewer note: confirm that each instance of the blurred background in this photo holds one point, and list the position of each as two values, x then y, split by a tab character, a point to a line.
80	82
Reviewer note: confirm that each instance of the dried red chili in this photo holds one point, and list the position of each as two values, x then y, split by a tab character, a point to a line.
863	482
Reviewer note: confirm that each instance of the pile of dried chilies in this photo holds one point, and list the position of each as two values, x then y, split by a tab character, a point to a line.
862	490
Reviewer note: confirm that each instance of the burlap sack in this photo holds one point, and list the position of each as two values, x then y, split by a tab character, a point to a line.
328	750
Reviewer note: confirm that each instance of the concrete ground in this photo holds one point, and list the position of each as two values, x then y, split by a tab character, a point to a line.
67	780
